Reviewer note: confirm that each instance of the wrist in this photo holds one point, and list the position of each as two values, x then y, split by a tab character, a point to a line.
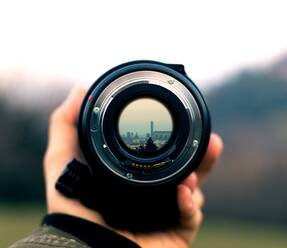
73	207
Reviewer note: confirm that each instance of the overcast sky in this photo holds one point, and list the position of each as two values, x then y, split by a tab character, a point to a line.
80	40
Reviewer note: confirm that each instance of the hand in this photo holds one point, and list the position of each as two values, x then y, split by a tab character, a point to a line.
63	146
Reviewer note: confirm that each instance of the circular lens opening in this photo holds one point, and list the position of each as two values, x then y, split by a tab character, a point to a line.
145	126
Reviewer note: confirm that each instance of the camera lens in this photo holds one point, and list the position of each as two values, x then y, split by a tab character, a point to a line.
145	126
144	123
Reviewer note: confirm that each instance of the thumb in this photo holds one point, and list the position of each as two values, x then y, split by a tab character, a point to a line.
63	139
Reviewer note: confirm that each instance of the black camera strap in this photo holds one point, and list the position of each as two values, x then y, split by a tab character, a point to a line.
122	206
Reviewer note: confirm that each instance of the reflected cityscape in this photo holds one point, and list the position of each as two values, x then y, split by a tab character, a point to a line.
152	141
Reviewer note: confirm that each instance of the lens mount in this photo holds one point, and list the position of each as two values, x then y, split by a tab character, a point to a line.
101	140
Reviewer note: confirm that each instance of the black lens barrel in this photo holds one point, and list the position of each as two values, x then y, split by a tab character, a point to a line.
164	166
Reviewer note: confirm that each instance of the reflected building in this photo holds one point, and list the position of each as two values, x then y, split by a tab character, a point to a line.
134	140
161	135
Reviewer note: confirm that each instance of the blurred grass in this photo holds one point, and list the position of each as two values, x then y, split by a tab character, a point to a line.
220	233
17	221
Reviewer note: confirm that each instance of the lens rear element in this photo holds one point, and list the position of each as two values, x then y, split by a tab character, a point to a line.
145	126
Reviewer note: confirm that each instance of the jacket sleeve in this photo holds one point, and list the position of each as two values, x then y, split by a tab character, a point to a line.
60	230
47	237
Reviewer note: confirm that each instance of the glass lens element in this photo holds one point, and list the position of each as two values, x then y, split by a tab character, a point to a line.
145	125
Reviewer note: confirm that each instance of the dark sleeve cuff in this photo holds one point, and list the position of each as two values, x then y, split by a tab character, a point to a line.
90	233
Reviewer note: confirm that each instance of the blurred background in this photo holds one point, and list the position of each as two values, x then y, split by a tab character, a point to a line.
235	51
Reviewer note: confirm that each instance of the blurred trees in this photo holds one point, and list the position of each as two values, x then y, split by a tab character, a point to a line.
250	112
22	143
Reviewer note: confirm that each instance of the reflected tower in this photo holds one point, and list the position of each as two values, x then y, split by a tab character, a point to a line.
151	128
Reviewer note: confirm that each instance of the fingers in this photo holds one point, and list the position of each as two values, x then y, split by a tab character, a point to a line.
63	138
190	197
213	152
190	202
185	202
